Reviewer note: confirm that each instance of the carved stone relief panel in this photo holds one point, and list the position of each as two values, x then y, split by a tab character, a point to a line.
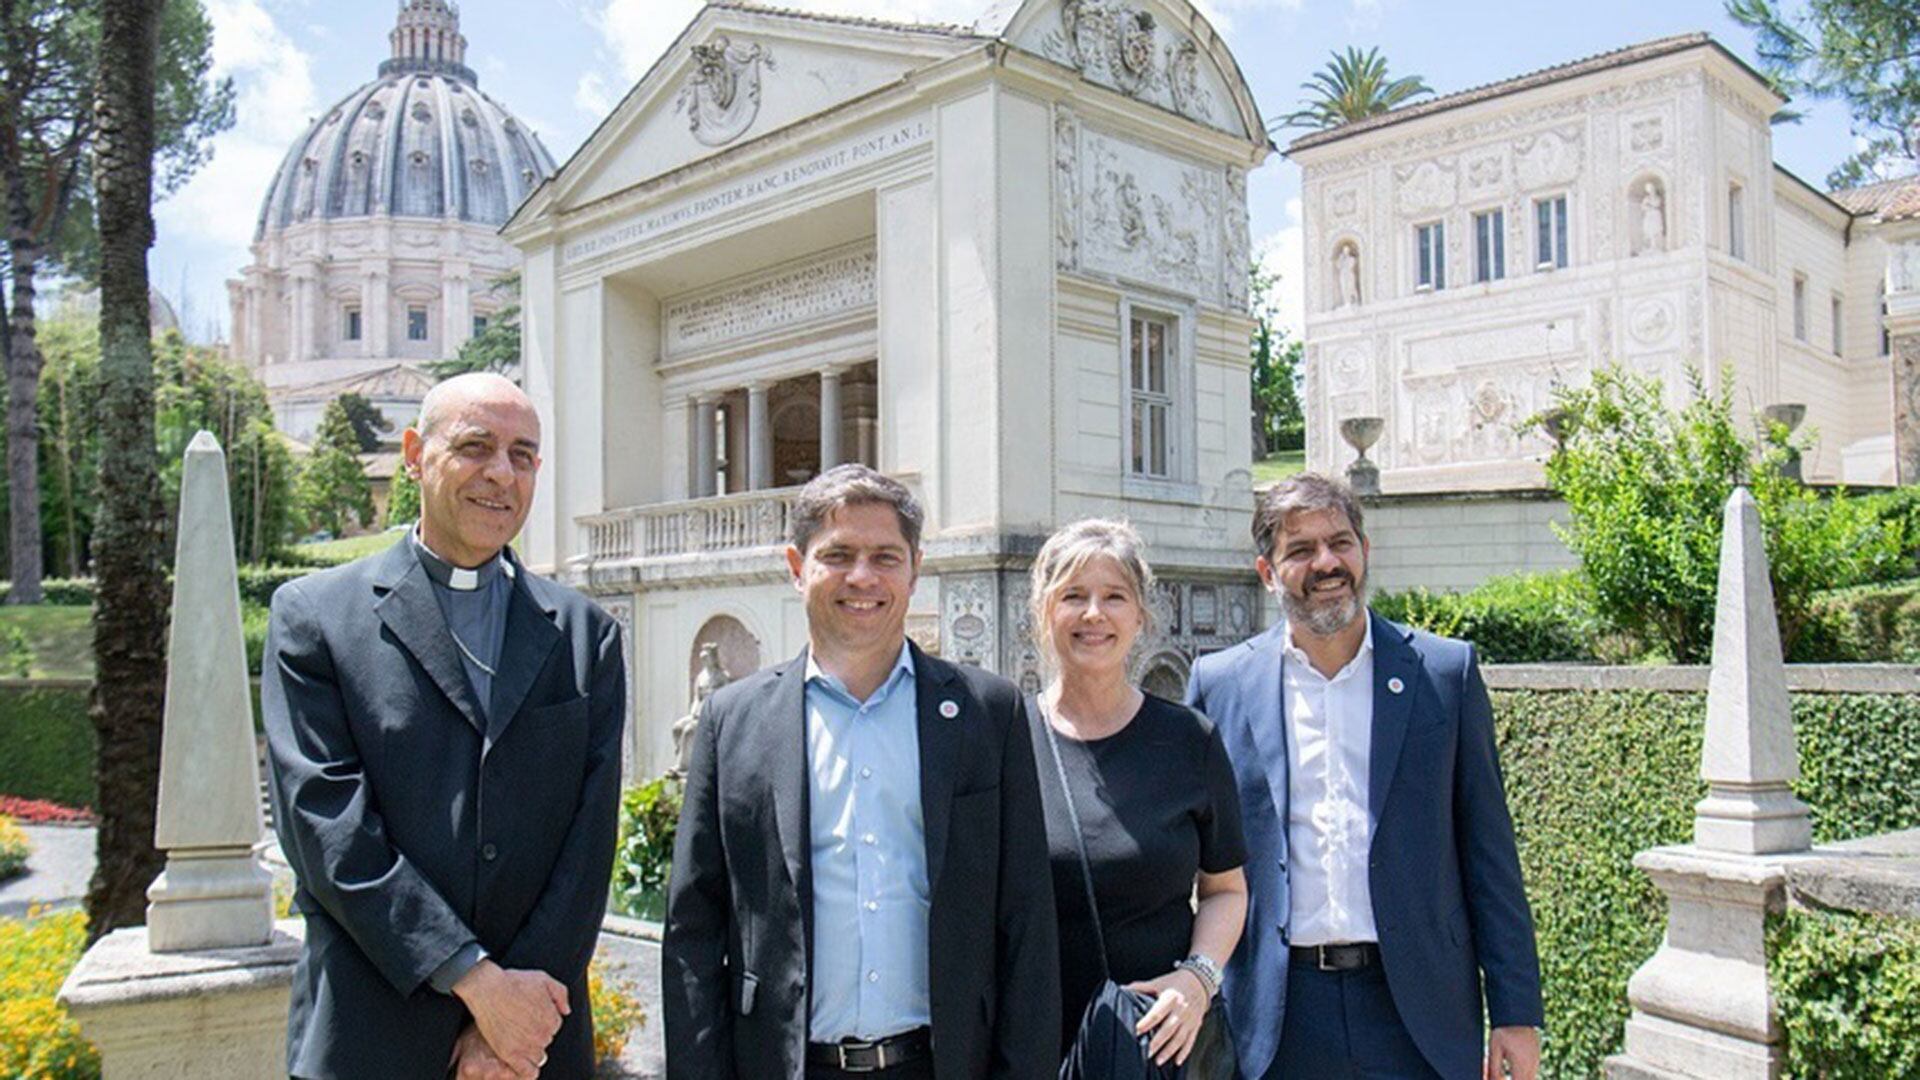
1236	242
1647	134
1191	619
969	618
1427	188
1461	397
1019	656
1548	159
841	283
1602	168
1125	47
1149	217
620	608
1343	201
1486	172
721	96
1066	188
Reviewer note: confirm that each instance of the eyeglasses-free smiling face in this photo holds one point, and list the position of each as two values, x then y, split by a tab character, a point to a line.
857	575
1093	618
1318	571
476	468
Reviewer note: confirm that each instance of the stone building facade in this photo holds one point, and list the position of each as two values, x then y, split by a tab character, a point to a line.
1005	263
377	242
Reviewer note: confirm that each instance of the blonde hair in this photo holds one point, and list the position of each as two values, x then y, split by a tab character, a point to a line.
1071	548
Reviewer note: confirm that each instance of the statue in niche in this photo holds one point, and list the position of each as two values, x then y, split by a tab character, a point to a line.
711	677
1653	219
1346	277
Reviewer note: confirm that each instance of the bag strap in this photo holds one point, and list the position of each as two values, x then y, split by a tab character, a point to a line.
1079	839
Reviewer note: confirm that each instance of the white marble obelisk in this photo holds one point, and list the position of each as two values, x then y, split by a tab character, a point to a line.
213	893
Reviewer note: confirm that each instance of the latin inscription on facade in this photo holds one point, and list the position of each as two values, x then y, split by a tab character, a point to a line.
838	284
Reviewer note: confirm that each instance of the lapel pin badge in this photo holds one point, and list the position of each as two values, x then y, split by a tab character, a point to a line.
1394	685
949	709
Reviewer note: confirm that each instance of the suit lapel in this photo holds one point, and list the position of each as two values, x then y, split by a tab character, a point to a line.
940	744
782	737
530	636
1395	662
414	616
1266	712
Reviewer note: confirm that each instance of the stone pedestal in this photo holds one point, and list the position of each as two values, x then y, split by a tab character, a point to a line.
185	1016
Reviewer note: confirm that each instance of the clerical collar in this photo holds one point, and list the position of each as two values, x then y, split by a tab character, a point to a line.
459	579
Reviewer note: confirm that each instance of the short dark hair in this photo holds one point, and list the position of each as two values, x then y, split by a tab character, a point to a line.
1309	491
848	485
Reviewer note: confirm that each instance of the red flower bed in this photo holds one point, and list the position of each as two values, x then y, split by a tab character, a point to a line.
42	812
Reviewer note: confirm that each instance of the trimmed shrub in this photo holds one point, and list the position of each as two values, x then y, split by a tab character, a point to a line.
616	1012
37	1038
65	592
1514	619
1595	777
258	583
1865	624
1848	987
649	818
49	743
15	849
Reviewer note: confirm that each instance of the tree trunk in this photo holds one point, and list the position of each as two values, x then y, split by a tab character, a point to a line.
130	612
23	395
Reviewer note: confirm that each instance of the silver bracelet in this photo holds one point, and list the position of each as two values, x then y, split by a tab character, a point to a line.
1203	968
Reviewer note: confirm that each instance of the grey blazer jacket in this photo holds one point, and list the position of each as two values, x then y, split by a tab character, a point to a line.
737	955
413	834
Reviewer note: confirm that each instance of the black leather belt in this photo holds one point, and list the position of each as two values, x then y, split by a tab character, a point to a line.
1337	957
853	1055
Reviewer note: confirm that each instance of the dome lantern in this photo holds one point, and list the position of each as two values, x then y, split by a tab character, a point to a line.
426	38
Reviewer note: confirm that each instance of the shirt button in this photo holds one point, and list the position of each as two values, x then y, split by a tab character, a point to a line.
873	976
489	852
865	773
873	905
869	839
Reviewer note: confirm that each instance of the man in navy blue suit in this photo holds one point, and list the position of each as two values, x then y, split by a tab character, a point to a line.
1384	882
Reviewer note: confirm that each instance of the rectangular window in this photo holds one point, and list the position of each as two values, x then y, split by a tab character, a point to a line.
1550	233
1886	336
1800	307
1736	221
1490	245
1431	241
1833	316
479	325
1150	342
417	323
352	330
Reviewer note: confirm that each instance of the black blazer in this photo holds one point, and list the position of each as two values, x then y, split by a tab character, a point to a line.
737	952
411	833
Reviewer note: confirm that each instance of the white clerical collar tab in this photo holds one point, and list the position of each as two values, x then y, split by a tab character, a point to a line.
463	580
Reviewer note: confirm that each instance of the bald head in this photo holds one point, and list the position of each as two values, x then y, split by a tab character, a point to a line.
483	388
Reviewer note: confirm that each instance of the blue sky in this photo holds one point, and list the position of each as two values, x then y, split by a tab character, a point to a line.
561	64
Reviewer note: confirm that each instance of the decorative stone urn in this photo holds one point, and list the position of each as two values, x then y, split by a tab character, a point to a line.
1788	416
1361	432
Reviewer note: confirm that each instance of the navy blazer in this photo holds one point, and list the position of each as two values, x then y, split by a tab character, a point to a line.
736	959
411	833
1443	872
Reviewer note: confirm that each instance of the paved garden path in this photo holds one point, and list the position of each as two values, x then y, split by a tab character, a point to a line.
57	871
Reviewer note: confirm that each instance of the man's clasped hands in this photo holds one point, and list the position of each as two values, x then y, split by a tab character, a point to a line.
515	1015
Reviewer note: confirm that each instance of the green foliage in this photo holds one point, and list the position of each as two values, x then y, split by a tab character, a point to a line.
333	489
1647	489
1594	777
259	583
16	653
49	743
616	1012
37	1038
1514	619
1353	86
1865	53
1877	623
15	849
403	499
196	390
69	443
495	349
649	818
368	422
1278	421
1849	992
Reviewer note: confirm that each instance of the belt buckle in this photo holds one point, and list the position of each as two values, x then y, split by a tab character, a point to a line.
1321	958
879	1054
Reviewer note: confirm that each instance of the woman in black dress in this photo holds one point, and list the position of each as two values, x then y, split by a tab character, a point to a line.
1153	791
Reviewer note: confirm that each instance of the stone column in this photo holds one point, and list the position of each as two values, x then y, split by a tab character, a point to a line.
830	418
1702	1006
866	438
456	308
377	333
300	333
759	439
705	462
1903	339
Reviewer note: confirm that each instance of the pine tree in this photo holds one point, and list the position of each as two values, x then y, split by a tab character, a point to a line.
333	490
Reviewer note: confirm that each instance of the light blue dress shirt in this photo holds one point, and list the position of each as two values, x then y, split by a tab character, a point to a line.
870	892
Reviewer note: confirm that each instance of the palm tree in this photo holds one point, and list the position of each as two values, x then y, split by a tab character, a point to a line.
130	612
1351	87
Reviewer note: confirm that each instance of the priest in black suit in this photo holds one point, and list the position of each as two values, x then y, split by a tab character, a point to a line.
860	883
443	730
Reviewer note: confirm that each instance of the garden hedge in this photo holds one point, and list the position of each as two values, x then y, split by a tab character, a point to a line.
49	742
1847	985
1594	777
257	585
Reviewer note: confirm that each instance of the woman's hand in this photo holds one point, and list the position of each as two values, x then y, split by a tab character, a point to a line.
1180	1005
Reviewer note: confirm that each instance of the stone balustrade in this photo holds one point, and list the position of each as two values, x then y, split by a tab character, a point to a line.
723	523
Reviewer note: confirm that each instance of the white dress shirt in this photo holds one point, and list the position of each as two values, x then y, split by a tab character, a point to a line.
1329	828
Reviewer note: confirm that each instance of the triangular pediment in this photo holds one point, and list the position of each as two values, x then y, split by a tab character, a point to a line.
735	74
1161	52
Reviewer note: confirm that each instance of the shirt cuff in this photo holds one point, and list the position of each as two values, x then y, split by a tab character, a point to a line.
456	967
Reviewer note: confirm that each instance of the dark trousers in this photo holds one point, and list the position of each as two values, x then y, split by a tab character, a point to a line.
1342	1025
921	1069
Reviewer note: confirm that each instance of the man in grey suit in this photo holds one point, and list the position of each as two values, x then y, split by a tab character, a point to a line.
444	731
860	884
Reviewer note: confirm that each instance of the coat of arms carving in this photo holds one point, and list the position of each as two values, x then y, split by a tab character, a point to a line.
722	94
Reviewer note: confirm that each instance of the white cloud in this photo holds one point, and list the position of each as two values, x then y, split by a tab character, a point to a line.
1364	17
591	94
1283	252
1222	13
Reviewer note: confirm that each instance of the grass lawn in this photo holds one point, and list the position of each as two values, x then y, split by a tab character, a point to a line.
1278	466
334	552
61	638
